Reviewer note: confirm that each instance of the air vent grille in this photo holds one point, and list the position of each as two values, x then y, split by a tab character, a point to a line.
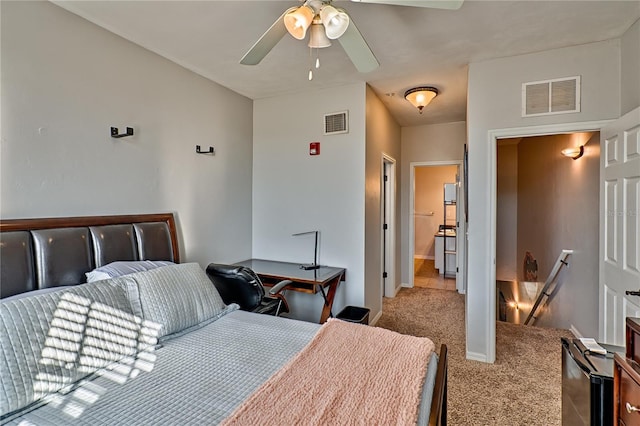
558	96
335	123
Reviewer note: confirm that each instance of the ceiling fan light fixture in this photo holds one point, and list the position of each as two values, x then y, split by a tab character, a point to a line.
420	97
298	21
335	21
317	36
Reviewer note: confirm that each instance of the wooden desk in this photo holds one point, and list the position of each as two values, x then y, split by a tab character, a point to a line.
313	281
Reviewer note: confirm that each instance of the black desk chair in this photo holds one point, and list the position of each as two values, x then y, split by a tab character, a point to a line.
239	284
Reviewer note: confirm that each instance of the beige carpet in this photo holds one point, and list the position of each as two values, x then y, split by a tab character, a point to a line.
523	387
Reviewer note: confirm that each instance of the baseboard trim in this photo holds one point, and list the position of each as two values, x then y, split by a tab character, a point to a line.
476	356
375	319
405	285
575	332
397	289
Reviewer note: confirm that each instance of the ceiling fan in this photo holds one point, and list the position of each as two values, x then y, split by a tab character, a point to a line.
324	22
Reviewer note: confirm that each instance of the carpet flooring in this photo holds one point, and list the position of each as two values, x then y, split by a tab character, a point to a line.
523	386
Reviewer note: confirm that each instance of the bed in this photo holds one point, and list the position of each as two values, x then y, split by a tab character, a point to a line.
159	346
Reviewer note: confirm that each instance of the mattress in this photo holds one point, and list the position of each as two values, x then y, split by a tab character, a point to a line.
200	376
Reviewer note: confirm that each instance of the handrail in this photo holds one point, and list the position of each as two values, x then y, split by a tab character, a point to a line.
560	262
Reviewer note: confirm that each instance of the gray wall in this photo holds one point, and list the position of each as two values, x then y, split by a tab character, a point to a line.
630	69
295	192
494	103
382	136
65	81
507	213
558	208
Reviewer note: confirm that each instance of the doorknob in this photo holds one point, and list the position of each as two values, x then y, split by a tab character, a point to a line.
632	293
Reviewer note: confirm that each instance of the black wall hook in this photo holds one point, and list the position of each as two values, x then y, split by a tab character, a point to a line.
199	151
114	132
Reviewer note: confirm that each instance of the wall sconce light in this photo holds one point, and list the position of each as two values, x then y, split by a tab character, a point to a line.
421	96
574	153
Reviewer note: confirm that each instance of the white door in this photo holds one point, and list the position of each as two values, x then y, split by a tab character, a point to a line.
388	226
619	225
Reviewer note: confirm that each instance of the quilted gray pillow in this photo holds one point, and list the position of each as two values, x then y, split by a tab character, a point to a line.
50	340
120	268
177	296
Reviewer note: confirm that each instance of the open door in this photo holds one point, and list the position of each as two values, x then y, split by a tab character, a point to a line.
388	226
619	226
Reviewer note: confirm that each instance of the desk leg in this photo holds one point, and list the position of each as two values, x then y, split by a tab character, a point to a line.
328	300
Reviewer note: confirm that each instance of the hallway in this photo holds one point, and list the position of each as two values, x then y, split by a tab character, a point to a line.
426	276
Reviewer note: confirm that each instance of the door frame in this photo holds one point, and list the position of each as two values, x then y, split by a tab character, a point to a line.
461	254
388	253
491	194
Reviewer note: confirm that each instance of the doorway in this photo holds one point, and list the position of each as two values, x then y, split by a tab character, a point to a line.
388	214
434	232
547	203
485	272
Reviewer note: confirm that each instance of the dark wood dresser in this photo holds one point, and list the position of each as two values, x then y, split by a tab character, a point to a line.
626	378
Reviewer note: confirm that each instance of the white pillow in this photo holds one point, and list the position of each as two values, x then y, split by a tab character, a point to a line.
118	269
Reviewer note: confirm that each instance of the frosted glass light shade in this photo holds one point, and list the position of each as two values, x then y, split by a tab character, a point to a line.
335	21
298	21
317	36
574	153
421	96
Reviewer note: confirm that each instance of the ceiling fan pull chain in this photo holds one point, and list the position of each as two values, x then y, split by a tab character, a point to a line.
310	64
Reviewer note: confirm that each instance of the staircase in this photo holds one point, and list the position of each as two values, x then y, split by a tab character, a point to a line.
549	285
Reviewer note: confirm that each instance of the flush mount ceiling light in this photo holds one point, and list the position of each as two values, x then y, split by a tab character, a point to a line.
421	96
574	153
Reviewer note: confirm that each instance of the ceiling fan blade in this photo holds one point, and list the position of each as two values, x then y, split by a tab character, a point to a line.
436	4
267	42
357	49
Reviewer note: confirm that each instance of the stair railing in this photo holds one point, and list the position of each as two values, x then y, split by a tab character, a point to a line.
549	285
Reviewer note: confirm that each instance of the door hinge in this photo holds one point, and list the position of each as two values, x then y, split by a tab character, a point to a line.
384	275
386	178
385	226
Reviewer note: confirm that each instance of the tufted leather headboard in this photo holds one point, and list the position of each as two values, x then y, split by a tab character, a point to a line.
51	252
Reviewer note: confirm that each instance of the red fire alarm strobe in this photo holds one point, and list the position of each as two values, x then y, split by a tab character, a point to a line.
314	148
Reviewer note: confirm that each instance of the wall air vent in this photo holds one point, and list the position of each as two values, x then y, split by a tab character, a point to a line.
335	123
558	96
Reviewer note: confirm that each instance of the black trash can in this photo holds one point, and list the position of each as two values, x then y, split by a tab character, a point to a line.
355	314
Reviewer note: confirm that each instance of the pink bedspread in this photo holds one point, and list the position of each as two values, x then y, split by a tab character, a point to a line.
347	374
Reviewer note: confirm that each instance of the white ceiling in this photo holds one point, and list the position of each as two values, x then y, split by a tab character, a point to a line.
415	46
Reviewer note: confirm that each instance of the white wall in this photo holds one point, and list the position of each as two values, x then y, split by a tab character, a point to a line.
295	192
429	143
494	102
65	81
382	137
630	69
